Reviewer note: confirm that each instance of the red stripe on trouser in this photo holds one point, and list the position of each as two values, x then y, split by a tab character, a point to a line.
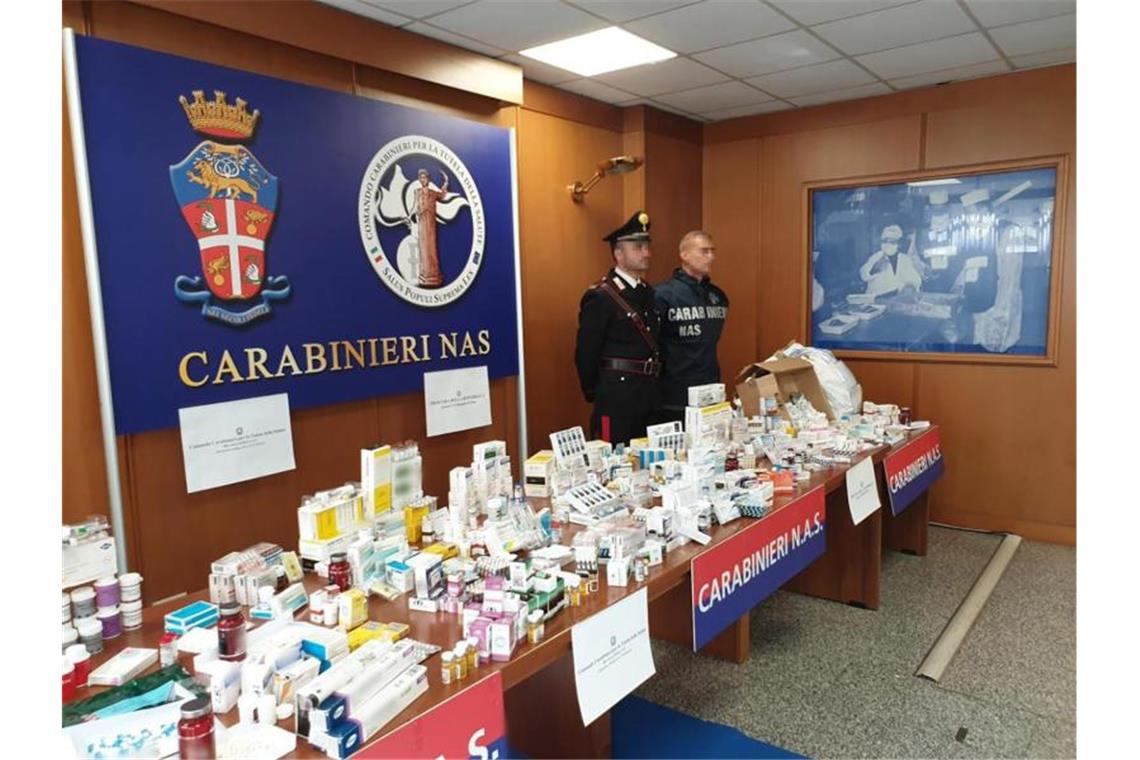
606	427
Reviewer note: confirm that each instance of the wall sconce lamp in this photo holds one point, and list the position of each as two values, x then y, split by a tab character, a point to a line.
616	165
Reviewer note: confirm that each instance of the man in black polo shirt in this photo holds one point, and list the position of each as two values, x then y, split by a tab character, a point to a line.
618	327
692	312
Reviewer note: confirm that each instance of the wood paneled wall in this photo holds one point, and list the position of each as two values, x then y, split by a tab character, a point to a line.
1009	433
172	536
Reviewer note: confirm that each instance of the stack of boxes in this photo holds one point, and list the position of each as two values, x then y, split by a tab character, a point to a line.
344	707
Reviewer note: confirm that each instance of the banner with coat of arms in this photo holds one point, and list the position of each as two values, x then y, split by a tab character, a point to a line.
258	236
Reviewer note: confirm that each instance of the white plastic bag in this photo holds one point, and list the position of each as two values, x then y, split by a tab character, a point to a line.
843	391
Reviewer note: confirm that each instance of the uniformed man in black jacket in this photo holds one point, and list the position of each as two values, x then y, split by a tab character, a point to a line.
692	312
618	327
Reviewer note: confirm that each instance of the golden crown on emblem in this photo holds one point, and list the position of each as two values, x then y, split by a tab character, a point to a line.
217	117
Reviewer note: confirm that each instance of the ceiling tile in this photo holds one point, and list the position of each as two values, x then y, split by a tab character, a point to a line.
963	50
515	25
417	8
419	27
1037	36
956	74
810	12
713	23
904	25
807	80
540	72
1051	58
866	91
666	76
369	11
1001	12
596	90
726	95
783	51
733	113
619	11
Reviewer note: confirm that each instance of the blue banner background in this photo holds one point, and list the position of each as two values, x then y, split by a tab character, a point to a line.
319	144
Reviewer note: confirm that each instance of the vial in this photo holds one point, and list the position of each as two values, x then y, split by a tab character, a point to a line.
446	667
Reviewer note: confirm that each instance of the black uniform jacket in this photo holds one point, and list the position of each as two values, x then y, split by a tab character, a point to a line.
692	314
604	330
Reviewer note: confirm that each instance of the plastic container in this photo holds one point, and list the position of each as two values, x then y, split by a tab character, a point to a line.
70	635
68	680
81	659
91	634
267	710
231	632
196	729
130	587
66	607
111	620
107	591
132	615
83	602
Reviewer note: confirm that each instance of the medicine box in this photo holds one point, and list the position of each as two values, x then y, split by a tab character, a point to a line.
197	615
376	480
537	474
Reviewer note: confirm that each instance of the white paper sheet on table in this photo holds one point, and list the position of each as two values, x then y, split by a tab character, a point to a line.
862	492
611	655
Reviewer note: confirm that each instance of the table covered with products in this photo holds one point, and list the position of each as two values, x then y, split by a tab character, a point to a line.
405	631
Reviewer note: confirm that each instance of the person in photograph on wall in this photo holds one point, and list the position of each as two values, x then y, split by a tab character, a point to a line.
889	271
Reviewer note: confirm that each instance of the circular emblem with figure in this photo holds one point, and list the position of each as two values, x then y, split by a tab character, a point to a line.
421	221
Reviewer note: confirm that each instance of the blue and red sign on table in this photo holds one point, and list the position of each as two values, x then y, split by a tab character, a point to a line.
305	241
912	469
734	576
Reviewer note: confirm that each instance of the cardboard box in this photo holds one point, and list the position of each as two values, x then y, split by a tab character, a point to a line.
781	378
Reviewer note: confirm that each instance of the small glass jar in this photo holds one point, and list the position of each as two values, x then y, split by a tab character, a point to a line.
339	571
574	592
196	729
168	649
472	654
460	662
447	667
535	628
231	632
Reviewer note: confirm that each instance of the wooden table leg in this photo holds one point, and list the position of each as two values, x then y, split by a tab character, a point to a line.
849	569
908	531
671	619
543	719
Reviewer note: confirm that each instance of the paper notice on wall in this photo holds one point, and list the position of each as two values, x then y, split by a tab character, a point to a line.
611	655
862	492
234	441
456	399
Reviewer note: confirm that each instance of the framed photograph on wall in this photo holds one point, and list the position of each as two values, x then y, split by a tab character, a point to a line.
950	265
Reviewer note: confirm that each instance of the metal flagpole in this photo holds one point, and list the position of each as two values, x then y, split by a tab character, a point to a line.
94	298
518	304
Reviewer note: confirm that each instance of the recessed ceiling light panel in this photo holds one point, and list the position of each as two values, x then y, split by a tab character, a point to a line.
605	50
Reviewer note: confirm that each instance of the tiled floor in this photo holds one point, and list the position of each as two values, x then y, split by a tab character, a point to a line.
828	680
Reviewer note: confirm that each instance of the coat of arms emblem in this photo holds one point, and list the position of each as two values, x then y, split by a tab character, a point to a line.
228	200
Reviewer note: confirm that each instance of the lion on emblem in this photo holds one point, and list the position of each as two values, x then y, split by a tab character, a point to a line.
205	175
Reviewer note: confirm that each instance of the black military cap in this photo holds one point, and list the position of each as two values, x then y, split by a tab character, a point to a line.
637	228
